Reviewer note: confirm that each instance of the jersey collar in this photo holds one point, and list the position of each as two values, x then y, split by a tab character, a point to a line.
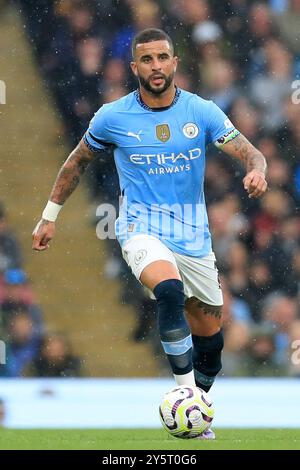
145	106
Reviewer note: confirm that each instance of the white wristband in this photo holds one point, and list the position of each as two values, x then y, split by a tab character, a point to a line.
51	211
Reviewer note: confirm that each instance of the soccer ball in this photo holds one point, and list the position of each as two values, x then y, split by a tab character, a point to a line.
186	411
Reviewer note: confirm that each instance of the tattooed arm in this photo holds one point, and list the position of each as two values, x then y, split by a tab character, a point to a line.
255	181
66	181
69	174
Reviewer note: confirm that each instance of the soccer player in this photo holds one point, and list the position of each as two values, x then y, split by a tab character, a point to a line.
159	133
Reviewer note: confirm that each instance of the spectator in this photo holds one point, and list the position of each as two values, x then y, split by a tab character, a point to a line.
237	268
259	285
273	85
247	117
22	344
281	313
236	328
288	23
227	51
261	352
218	80
55	359
10	251
17	296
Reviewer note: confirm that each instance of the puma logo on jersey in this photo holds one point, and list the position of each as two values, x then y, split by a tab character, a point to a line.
137	136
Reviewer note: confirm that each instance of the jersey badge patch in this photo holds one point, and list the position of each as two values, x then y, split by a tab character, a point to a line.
190	130
163	132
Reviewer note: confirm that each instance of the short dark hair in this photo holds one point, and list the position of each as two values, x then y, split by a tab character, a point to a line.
149	35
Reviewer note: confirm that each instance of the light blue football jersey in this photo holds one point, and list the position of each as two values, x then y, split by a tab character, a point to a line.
160	159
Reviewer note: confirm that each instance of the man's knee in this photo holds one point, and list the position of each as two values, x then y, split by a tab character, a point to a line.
170	300
157	272
170	293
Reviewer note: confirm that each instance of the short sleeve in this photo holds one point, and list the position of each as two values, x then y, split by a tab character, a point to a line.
219	127
97	137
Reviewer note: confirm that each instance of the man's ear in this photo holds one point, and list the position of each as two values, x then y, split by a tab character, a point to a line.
134	68
176	62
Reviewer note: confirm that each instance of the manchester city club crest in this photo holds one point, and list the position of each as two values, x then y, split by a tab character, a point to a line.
163	132
190	130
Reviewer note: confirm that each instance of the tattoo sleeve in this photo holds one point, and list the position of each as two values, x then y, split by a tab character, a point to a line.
69	174
241	148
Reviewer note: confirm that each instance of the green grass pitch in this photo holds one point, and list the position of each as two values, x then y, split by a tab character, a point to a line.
146	439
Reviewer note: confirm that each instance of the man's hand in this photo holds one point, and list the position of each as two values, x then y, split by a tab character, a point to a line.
255	183
42	234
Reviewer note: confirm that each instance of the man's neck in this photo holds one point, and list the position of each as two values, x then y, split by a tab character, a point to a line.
158	101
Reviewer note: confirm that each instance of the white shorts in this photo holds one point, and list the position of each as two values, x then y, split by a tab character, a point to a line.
199	275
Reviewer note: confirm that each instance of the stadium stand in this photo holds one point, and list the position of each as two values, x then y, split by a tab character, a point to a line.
243	55
75	296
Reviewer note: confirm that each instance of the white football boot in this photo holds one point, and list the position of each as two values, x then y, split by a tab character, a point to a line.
208	434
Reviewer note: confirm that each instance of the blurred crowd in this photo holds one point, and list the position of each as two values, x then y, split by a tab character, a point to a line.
30	349
244	55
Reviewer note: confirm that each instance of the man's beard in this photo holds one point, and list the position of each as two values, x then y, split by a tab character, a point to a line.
146	83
